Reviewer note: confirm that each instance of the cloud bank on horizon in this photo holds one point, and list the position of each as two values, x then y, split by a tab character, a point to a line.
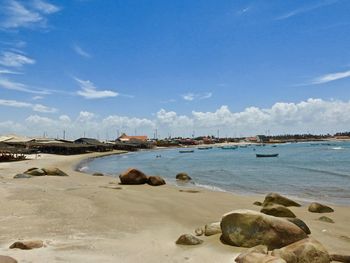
193	69
311	116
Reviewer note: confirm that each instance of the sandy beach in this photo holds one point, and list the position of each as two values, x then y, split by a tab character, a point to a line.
83	218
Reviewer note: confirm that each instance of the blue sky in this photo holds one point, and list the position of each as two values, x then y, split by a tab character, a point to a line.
243	67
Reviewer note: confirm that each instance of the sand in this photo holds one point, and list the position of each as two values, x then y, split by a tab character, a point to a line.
82	218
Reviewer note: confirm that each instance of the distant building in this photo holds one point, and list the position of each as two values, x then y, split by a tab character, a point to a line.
251	139
127	138
87	141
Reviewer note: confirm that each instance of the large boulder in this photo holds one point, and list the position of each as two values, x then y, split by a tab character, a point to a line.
132	176
275	198
26	245
212	229
155	181
7	259
35	172
246	228
277	210
307	250
188	239
54	172
183	177
320	208
300	223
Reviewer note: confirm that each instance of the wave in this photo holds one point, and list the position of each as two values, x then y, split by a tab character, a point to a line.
211	187
337	148
320	171
83	168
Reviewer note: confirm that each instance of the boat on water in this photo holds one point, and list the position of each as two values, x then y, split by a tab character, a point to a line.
229	147
259	155
186	151
205	148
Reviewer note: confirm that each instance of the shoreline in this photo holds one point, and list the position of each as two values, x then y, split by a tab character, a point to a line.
172	181
84	218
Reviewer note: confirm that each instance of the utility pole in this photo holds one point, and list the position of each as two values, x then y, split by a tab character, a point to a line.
64	134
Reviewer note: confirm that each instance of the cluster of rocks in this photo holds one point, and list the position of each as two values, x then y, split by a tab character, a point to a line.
24	245
133	176
273	235
40	172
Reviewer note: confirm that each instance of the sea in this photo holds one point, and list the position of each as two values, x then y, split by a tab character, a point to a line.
309	171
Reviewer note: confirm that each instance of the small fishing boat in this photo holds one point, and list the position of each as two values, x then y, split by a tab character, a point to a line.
205	148
229	147
186	151
259	155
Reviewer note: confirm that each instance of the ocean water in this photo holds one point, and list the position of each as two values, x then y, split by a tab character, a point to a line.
309	171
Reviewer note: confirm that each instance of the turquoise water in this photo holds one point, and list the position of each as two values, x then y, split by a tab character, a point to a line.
311	171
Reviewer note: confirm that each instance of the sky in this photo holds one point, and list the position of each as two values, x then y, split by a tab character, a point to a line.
183	68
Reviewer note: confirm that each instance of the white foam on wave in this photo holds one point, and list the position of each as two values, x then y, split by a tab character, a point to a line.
83	168
211	187
337	148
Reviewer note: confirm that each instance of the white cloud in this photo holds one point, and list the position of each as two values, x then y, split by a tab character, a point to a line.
306	9
6	71
11	59
89	91
312	115
37	98
45	7
85	116
80	51
20	104
26	14
188	96
331	77
11	85
197	96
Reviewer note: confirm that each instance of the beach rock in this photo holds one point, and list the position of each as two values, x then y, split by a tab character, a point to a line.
54	172
35	172
277	210
33	168
7	259
243	257
212	229
326	219
155	180
319	208
257	203
132	176
307	250
300	223
255	257
199	231
279	199
246	228
183	177
21	176
97	174
26	245
340	258
188	239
